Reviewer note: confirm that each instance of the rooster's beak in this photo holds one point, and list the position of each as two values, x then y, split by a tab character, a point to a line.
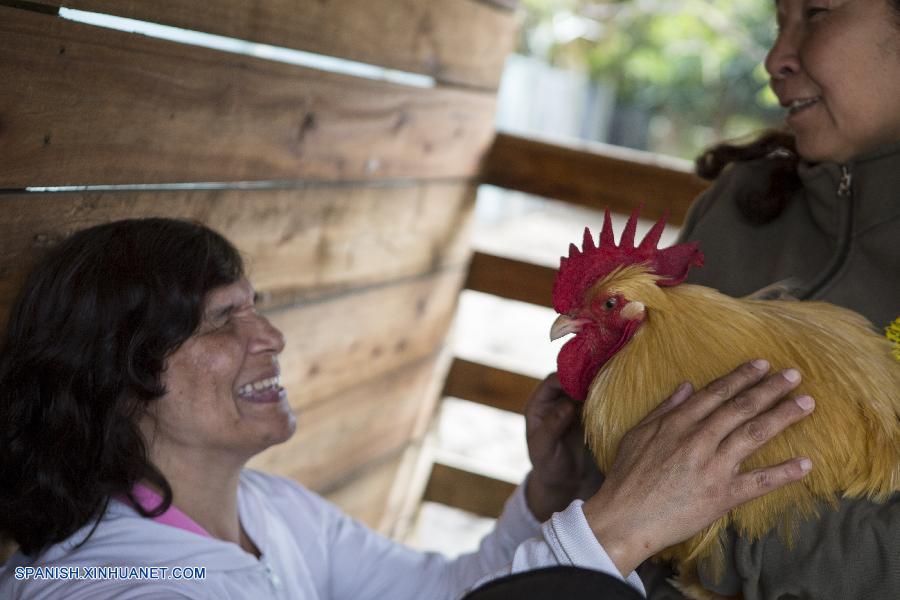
564	325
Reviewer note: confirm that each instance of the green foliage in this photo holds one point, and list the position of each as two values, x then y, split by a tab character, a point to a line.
694	64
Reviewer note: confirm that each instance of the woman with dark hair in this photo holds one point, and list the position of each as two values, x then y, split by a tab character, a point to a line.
814	213
137	378
82	360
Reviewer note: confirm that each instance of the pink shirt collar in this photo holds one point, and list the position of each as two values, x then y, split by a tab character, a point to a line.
148	499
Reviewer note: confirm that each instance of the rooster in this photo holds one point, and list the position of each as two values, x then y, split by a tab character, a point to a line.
640	331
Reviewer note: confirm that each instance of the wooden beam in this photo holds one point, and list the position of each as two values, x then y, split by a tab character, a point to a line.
367	497
386	495
338	344
455	41
513	279
358	427
594	175
84	105
467	491
488	385
299	245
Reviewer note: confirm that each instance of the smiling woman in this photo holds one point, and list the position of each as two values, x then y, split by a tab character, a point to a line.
223	400
812	213
222	386
836	67
813	209
92	339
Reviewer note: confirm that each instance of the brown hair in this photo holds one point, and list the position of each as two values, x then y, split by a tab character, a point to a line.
758	206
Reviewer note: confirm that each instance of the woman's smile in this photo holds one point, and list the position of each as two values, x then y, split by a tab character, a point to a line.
263	390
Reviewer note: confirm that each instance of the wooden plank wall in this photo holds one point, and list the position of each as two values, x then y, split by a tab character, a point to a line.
355	228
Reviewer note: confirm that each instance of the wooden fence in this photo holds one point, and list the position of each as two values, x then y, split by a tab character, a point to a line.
351	197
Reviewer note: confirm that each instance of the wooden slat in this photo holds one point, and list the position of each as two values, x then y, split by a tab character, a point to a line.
409	487
511	279
488	385
337	438
86	105
455	41
368	497
337	344
387	496
299	244
467	491
592	175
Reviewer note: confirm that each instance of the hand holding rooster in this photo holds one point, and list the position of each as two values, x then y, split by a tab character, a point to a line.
679	469
676	472
562	466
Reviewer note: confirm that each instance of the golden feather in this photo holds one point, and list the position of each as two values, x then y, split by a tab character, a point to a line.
696	333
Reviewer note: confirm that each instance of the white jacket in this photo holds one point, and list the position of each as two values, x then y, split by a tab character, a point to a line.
310	551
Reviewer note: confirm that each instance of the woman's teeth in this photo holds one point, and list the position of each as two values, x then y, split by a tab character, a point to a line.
797	105
262	384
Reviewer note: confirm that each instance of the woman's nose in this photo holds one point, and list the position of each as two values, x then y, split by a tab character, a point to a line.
267	337
782	60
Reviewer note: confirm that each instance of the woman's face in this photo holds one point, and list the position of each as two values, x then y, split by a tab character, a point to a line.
223	391
836	67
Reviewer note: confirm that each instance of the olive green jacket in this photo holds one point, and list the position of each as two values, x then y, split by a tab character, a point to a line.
841	247
832	244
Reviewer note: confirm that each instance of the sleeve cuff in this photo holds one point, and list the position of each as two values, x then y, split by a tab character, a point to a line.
578	546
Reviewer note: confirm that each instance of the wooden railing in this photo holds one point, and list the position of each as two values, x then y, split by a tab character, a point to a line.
594	175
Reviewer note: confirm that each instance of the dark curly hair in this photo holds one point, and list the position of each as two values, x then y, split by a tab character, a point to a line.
83	355
758	206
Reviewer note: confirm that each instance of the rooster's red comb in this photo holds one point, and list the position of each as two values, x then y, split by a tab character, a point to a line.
582	268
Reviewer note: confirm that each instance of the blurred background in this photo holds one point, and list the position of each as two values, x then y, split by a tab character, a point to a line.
668	77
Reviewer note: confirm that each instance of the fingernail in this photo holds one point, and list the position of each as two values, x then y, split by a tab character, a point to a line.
805	402
792	375
760	364
806	465
685	388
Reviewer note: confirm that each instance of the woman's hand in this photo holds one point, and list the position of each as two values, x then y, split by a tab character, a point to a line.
679	469
562	467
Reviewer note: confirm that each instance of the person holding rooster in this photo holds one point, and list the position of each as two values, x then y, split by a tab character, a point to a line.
137	378
812	213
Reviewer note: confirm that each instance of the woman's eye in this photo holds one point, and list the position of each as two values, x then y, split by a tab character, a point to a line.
609	304
813	11
217	325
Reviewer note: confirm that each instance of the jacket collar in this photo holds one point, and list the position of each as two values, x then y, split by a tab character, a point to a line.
875	189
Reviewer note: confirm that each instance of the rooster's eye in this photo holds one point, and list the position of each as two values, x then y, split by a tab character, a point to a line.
609	304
